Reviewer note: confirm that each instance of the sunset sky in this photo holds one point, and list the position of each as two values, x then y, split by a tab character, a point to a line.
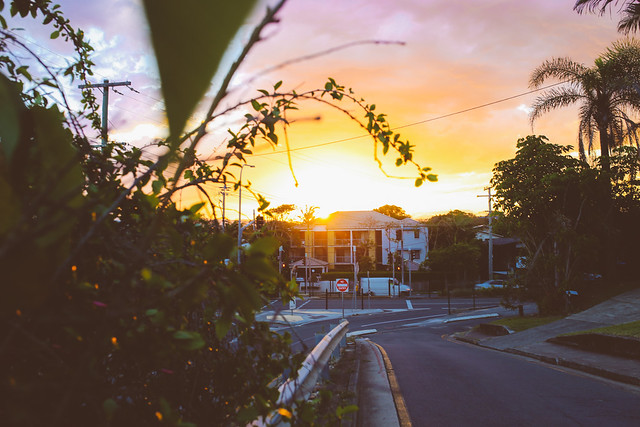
456	56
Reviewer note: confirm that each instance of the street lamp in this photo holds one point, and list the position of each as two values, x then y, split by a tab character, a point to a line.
240	210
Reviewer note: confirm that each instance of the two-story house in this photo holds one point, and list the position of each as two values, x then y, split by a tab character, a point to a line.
333	243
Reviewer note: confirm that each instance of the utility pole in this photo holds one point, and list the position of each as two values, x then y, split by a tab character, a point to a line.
490	232
240	212
401	254
355	274
105	103
224	194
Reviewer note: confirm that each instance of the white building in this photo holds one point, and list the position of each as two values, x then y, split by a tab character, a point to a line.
332	240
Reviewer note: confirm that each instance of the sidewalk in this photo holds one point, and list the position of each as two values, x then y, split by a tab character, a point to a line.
533	342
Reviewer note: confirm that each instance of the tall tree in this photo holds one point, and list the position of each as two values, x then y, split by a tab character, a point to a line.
393	211
282	212
606	93
453	227
630	10
550	200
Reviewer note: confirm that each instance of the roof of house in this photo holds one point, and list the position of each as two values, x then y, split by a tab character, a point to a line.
311	262
349	220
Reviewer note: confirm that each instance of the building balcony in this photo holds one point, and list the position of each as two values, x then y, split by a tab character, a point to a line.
343	242
343	259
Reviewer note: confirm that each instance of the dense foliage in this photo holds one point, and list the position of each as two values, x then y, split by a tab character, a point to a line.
453	227
566	216
393	211
118	307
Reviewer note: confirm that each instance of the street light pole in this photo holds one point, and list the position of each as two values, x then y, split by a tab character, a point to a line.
240	211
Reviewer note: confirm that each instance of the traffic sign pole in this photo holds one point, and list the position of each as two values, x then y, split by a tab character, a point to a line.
342	285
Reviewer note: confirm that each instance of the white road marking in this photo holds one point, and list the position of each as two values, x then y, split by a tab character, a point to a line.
409	305
362	332
303	304
404	320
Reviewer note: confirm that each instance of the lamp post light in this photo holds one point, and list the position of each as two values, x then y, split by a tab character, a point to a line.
240	211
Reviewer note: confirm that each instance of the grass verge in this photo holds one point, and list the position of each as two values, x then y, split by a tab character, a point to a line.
518	324
631	329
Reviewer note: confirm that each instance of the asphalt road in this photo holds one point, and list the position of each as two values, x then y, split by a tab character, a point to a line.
421	302
429	309
448	383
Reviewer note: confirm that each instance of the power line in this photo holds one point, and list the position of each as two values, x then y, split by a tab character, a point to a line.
466	110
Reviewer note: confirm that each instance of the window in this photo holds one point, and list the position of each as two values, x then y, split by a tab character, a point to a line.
416	233
319	238
399	234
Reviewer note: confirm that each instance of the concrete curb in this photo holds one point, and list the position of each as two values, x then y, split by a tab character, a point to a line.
401	408
477	316
557	361
593	370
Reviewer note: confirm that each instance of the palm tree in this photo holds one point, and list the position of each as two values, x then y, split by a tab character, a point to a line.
630	9
608	94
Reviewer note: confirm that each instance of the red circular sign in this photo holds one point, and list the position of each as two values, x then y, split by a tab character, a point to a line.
342	285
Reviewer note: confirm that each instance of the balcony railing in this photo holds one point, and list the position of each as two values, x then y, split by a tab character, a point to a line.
343	259
343	242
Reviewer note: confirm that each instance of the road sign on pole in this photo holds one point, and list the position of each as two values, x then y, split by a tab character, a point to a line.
342	285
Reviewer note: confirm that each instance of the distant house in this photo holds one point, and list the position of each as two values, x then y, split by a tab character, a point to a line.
506	251
345	234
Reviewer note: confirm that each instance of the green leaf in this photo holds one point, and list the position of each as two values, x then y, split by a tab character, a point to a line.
157	186
195	208
189	340
432	177
109	407
398	162
222	327
277	85
256	105
344	410
418	182
264	246
9	118
180	28
55	35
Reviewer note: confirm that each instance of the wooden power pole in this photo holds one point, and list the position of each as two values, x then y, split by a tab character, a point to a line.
105	102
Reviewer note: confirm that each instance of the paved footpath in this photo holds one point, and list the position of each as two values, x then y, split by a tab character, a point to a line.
533	343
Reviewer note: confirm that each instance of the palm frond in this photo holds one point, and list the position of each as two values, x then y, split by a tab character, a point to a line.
588	127
563	69
593	6
552	99
630	21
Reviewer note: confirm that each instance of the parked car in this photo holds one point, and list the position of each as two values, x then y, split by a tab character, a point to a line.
490	284
382	286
